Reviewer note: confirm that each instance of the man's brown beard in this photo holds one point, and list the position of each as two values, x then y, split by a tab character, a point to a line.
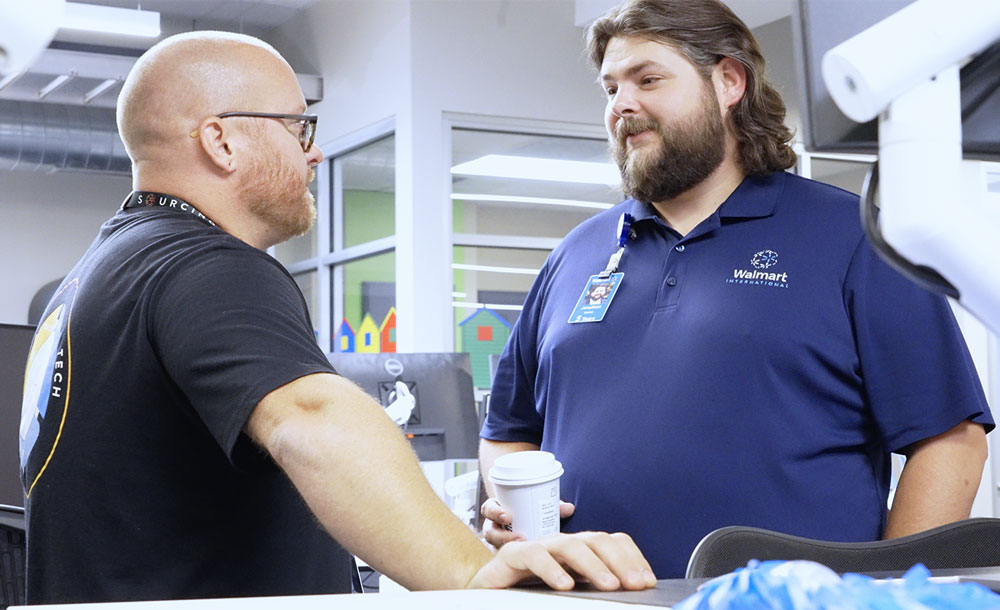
686	153
272	194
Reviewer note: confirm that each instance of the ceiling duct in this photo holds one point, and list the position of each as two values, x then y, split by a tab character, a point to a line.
48	137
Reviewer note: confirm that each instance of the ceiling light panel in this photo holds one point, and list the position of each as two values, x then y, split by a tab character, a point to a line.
111	20
533	168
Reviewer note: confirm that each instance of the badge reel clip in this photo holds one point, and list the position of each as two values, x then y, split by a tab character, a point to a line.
601	288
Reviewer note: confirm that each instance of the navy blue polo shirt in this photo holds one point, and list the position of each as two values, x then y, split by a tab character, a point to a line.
757	371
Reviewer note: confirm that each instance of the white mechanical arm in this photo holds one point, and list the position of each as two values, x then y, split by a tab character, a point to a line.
905	70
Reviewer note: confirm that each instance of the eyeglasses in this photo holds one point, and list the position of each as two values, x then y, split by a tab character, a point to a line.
307	124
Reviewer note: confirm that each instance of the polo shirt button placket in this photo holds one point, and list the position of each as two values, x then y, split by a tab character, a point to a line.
671	281
679	248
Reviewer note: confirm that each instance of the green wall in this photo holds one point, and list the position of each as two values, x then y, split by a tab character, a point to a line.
368	215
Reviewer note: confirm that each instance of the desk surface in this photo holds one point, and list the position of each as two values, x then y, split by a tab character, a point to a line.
666	593
671	591
423	600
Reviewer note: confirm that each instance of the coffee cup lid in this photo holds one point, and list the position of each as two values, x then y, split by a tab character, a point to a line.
525	468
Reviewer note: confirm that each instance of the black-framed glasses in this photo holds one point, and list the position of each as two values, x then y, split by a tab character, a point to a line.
307	122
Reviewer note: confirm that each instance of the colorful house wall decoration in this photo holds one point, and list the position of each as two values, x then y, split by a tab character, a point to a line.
483	333
344	338
388	331
368	339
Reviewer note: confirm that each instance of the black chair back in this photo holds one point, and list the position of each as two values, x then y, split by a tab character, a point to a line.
973	543
12	554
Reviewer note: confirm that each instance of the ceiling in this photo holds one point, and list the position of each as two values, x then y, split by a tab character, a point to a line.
87	69
91	66
253	17
59	113
64	102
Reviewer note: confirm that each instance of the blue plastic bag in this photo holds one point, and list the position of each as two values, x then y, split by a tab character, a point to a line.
806	585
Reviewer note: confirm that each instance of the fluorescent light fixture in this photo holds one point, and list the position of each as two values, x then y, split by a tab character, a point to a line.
55	84
575	203
111	20
10	79
99	89
495	306
534	168
489	269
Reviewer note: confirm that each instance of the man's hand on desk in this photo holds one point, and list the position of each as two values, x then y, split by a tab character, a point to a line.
608	561
497	519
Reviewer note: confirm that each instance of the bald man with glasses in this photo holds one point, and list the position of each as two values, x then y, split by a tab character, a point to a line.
182	433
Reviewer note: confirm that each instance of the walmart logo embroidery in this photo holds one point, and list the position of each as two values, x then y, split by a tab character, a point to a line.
757	276
764	259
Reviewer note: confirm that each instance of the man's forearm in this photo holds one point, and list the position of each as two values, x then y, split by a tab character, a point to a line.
359	476
939	481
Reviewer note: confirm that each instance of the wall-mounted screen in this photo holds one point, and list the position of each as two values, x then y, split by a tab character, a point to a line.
820	25
443	422
15	340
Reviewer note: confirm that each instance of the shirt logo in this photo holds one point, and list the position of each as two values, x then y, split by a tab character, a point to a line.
765	259
756	274
47	387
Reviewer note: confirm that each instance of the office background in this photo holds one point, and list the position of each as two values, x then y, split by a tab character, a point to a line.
408	248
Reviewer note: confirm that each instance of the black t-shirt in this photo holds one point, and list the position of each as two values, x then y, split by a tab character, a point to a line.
144	370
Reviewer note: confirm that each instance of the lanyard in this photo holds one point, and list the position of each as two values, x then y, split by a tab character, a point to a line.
601	288
623	233
149	199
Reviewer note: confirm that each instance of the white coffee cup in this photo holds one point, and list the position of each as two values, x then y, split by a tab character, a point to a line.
527	486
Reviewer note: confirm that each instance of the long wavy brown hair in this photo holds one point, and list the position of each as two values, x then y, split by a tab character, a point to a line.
705	31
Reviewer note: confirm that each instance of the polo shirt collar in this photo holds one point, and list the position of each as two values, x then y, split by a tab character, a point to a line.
757	196
641	210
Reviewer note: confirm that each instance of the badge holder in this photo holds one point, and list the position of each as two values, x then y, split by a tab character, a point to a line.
601	289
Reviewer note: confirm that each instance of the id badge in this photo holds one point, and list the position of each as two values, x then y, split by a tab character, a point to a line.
596	298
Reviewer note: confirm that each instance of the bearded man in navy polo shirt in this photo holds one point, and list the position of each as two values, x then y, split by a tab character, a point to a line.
758	362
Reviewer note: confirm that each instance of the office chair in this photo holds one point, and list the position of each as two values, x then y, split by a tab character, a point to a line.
12	548
973	543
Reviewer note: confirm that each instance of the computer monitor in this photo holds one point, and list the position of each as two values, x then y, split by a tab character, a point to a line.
444	423
820	25
15	341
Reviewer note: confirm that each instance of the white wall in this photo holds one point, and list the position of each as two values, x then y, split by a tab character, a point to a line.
46	223
519	58
776	40
361	48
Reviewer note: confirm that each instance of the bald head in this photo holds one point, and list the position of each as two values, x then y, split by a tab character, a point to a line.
186	78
